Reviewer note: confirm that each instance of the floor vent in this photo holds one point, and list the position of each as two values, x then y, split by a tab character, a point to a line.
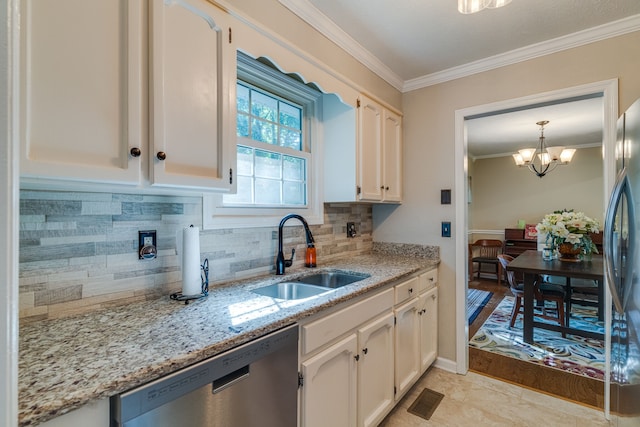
426	403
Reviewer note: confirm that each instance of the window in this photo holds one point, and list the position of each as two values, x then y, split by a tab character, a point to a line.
278	150
272	159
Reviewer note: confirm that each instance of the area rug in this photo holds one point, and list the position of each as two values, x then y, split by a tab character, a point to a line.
476	300
426	403
575	354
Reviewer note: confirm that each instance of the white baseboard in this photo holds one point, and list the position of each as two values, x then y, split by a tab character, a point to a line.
446	365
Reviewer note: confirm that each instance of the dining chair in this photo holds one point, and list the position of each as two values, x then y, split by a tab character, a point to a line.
485	251
542	292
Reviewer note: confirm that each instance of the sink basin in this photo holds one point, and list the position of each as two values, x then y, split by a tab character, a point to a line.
290	290
332	279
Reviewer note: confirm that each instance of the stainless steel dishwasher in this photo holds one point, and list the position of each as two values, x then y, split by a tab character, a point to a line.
254	384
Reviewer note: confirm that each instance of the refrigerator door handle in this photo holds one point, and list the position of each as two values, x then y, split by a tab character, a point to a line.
619	293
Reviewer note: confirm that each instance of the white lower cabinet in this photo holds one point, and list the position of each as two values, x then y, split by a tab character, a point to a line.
407	346
357	362
375	371
328	395
428	312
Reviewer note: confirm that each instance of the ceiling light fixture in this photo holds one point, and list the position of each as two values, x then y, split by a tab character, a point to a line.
543	159
473	6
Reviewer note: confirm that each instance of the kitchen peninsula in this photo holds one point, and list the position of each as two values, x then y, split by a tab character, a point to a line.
67	363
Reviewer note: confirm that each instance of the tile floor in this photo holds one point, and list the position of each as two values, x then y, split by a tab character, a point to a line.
476	400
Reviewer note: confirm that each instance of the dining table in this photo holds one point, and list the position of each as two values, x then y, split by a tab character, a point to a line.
531	264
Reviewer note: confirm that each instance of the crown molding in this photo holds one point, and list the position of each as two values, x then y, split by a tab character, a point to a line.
591	35
310	14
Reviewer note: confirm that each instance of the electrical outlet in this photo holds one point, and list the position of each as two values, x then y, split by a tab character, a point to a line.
446	229
351	229
147	244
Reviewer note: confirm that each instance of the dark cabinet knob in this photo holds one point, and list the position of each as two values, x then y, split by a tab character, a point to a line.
357	357
135	152
365	350
410	290
161	155
386	188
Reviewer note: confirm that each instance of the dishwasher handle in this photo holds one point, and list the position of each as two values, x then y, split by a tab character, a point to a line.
230	379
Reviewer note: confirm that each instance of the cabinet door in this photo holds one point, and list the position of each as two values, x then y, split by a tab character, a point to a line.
407	348
328	395
392	159
193	69
428	311
81	91
369	149
375	371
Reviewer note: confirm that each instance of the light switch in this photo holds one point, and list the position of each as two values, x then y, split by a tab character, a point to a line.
446	229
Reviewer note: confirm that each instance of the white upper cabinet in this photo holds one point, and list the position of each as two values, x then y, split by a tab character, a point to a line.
109	87
392	157
193	65
81	95
370	149
363	152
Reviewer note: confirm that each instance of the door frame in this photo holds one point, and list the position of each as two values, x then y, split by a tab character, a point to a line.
9	199
609	90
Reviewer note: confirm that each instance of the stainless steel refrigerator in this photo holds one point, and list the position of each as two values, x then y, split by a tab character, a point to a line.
622	255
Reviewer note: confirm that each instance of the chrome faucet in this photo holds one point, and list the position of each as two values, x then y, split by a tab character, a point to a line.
281	263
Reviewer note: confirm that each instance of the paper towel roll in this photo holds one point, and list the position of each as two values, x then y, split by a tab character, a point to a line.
191	282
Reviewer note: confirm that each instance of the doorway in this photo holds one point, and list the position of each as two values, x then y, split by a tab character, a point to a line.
608	90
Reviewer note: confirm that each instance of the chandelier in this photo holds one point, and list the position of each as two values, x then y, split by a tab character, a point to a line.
543	159
473	6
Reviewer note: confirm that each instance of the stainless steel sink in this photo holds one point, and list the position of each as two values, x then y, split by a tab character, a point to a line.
311	285
290	290
332	279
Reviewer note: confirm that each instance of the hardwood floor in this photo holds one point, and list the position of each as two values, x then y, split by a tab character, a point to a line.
555	382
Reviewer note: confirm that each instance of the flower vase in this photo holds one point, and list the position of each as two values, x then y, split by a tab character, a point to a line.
568	252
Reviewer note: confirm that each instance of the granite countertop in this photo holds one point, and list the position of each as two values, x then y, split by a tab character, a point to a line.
66	363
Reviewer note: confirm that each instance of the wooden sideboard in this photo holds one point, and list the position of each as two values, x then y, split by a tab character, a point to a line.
515	243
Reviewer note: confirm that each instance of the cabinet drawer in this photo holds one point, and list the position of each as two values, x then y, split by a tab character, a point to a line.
406	290
428	280
328	328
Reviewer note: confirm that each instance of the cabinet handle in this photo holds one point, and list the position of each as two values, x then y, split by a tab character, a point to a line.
161	155
382	187
433	296
386	188
135	152
365	350
410	290
357	357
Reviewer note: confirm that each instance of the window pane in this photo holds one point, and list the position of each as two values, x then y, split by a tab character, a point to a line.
293	193
293	168
290	116
268	164
290	139
263	131
245	160
263	106
244	194
267	191
242	98
242	127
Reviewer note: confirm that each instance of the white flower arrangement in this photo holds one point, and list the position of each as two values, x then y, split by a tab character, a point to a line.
567	226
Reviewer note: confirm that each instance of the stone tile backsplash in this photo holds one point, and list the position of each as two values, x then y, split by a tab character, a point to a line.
78	250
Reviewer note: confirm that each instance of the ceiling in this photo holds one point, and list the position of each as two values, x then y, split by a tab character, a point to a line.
416	43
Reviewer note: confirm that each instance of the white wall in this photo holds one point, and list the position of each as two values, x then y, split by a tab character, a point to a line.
429	139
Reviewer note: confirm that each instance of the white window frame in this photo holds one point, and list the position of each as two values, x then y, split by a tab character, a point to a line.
216	215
